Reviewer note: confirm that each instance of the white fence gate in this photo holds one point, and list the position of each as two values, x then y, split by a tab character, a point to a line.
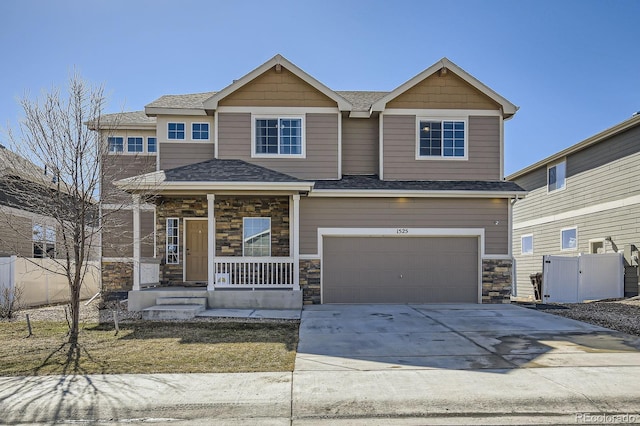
579	278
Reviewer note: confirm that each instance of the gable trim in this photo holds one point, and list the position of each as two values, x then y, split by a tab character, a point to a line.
508	109
212	102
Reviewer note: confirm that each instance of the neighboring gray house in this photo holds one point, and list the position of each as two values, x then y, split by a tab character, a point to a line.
583	199
278	190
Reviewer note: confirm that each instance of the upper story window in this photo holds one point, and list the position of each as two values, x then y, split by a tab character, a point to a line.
134	144
200	131
442	139
527	244
116	144
279	137
569	239
152	144
556	176
175	131
256	236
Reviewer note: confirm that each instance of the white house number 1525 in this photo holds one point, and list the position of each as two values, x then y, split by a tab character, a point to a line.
402	231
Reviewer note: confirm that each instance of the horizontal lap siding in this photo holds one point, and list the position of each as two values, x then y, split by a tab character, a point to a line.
122	166
400	139
403	212
360	150
179	154
622	225
321	162
16	235
117	235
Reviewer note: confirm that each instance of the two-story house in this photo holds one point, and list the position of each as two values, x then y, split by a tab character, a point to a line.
278	190
583	199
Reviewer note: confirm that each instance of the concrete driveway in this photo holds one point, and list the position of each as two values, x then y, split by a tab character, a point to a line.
458	360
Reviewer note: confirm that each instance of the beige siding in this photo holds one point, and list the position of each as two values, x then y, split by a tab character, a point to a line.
321	139
400	142
446	92
117	234
162	122
274	88
178	154
360	150
122	166
16	235
404	212
622	225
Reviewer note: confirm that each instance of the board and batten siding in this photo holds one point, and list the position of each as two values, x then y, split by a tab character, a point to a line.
399	148
360	152
177	154
321	145
405	213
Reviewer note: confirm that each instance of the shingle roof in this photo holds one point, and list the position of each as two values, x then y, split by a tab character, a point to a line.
372	182
191	100
124	118
226	171
361	100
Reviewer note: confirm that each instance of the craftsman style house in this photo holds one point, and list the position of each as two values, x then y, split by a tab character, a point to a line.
277	190
583	199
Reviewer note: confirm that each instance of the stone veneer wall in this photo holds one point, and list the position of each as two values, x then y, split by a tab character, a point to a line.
116	277
229	212
310	281
496	280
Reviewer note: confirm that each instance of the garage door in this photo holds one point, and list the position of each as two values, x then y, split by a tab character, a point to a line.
400	270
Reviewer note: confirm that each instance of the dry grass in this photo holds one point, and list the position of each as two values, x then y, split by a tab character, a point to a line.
148	347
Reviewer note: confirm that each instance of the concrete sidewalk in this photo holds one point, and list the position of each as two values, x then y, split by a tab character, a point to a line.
376	365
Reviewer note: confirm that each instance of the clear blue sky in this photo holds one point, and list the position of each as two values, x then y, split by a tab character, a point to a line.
573	67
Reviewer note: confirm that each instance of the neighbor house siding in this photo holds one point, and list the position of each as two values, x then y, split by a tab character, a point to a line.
404	212
274	88
320	162
16	234
400	142
172	155
360	150
443	92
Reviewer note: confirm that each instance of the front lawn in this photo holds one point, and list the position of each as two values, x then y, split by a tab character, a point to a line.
149	347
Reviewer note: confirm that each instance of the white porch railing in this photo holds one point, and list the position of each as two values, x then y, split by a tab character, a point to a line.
254	272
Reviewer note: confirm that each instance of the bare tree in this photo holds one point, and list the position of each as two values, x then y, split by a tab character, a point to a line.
62	178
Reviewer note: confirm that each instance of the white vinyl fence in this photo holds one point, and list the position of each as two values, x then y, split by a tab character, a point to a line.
40	282
580	278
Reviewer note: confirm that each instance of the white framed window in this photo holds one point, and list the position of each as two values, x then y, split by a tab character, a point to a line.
527	244
135	144
441	139
556	176
175	131
200	131
256	236
44	241
116	143
173	241
278	137
569	239
152	144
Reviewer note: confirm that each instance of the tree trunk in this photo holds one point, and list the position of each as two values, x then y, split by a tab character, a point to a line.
74	328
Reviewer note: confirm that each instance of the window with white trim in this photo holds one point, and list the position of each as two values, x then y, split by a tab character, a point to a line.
442	139
569	239
527	244
175	131
256	236
44	241
173	241
134	144
556	176
278	136
116	143
200	131
152	144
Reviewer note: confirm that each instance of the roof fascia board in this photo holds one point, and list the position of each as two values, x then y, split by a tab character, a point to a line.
508	109
342	193
212	102
147	184
154	111
605	134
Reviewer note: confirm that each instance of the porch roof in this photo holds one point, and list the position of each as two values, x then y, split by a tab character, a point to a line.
215	174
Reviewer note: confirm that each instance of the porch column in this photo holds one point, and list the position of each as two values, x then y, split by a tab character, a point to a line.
136	242
295	246
211	242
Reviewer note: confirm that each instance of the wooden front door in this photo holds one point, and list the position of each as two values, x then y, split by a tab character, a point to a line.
196	250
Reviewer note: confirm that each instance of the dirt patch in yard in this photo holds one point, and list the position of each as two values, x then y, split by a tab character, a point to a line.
620	315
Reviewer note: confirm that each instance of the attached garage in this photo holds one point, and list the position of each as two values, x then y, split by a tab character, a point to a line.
400	269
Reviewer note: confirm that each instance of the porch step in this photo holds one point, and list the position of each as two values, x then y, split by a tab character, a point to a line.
172	312
184	300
